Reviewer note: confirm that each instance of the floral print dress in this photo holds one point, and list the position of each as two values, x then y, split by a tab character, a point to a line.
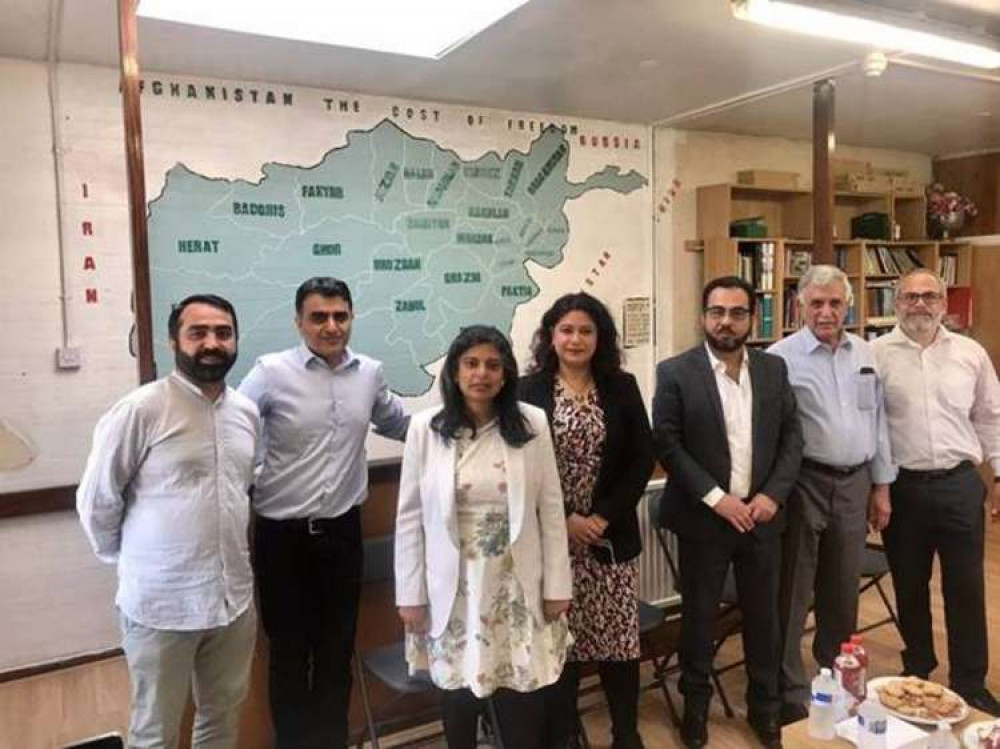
491	639
604	615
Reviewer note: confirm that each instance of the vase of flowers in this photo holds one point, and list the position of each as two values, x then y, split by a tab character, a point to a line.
947	211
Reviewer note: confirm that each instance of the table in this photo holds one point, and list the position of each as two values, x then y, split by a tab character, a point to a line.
796	736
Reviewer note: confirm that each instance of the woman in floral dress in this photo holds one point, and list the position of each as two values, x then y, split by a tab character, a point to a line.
482	565
604	452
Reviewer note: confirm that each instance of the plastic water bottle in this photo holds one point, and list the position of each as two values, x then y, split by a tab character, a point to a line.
862	655
821	718
873	723
943	738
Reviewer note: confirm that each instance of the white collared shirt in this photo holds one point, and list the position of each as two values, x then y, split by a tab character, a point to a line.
942	402
737	410
164	495
315	420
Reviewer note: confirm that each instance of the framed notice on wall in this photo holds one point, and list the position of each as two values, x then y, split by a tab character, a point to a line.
636	321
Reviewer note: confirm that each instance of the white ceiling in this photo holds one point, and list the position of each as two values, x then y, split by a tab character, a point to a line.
626	60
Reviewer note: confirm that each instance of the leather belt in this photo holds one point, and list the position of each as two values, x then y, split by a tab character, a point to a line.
312	526
942	473
838	471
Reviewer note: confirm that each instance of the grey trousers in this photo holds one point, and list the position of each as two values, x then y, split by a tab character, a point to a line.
822	550
164	665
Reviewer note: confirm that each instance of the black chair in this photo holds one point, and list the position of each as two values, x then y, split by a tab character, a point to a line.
874	567
108	741
388	664
729	622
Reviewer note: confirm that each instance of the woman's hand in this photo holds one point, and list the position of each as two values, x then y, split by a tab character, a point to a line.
414	619
554	609
582	530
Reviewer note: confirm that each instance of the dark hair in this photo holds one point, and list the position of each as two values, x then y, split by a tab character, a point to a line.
453	416
212	300
325	286
729	282
607	357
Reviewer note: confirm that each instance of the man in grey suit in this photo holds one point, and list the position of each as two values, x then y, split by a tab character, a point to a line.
727	433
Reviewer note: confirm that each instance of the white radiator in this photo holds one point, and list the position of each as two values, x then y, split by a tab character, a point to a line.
656	583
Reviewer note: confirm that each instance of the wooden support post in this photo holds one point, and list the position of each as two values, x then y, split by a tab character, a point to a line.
128	51
824	144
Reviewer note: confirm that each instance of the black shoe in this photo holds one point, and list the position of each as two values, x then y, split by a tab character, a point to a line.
767	728
982	700
694	726
633	742
793	712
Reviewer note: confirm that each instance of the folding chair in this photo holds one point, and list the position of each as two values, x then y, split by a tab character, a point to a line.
388	664
729	621
874	567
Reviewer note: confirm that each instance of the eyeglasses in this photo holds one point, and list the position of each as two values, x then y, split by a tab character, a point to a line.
928	297
737	314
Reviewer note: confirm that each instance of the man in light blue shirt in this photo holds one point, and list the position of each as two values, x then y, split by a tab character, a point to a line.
165	497
843	483
317	402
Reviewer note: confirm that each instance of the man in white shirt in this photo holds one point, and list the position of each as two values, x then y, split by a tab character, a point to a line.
726	431
317	403
164	495
943	406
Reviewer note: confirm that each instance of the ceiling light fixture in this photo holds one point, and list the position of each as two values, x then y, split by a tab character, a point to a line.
837	22
429	28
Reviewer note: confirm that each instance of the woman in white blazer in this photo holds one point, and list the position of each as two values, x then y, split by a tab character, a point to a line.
482	565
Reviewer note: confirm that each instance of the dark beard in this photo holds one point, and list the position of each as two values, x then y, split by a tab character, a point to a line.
728	345
201	371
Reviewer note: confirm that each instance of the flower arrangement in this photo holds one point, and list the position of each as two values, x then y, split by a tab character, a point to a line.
947	210
943	204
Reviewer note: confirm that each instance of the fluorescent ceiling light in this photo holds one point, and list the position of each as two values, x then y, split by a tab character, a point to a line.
421	28
888	37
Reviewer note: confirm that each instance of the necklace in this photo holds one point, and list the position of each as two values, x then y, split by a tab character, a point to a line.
577	392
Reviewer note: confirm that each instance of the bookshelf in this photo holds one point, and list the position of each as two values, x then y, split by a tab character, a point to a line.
774	265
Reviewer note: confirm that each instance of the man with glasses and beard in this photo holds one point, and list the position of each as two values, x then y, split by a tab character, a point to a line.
727	434
843	484
164	496
943	406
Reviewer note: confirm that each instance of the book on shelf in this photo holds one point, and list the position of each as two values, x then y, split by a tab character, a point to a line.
880	300
840	258
756	264
764	325
948	269
881	260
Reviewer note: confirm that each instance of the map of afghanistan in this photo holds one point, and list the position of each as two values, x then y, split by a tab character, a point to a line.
428	242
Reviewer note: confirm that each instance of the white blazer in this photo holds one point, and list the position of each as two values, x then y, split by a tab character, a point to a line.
427	550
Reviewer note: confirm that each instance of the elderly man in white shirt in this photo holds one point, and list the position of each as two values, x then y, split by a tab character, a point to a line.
943	407
165	497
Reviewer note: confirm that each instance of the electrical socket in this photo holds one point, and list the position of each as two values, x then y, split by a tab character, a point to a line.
68	357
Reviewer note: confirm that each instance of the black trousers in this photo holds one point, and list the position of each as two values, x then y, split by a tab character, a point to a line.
943	515
309	581
620	682
521	718
757	566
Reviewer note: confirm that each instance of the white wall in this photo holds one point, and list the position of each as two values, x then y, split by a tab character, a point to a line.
56	598
698	158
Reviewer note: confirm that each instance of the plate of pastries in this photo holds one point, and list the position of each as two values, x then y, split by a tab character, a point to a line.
918	700
984	734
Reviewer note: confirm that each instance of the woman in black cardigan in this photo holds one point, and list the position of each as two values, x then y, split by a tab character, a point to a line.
604	452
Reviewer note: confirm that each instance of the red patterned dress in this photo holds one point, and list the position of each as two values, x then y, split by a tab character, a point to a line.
604	615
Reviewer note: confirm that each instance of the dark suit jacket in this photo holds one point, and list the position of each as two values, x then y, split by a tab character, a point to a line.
690	435
627	458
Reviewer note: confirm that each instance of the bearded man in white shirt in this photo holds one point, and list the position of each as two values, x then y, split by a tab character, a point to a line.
165	497
943	407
